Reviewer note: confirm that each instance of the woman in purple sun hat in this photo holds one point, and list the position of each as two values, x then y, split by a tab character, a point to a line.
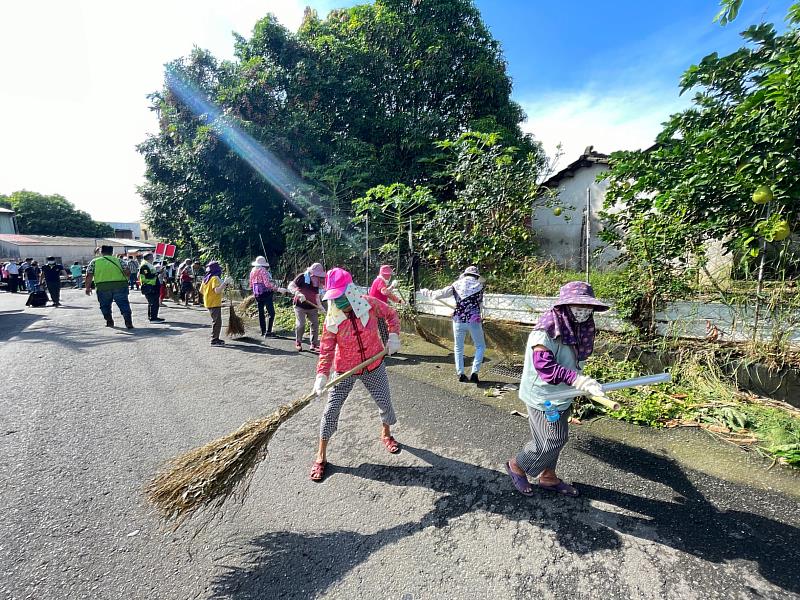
561	341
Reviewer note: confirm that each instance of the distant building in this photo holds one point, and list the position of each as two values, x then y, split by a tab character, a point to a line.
562	238
66	249
8	221
130	231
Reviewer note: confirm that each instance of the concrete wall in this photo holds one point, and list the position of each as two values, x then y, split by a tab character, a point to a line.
677	319
562	238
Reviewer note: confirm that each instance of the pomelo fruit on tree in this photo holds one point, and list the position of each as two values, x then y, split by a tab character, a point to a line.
762	195
781	231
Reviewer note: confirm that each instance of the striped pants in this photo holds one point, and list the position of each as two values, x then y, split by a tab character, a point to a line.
547	441
377	384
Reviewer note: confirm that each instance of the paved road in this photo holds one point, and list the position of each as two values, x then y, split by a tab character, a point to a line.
92	412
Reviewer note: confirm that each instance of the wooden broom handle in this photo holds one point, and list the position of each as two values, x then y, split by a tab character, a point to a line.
358	367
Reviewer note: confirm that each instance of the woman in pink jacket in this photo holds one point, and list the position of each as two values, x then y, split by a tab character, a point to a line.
350	336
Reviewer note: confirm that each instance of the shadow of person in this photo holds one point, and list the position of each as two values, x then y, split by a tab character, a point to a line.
691	523
302	565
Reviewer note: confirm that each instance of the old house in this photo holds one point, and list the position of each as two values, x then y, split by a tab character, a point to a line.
562	237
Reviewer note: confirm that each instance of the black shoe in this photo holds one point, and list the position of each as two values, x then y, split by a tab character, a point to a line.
109	322
269	334
217	342
157	320
463	378
129	323
474	378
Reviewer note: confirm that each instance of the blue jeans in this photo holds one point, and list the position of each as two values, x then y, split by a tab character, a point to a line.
118	295
78	282
459	335
31	285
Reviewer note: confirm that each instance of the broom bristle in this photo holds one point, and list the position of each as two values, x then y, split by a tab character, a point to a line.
235	324
207	476
245	304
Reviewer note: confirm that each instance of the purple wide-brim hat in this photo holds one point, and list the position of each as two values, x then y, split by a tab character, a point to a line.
578	292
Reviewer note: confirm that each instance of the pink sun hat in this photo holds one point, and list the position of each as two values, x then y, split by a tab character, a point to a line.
385	271
336	283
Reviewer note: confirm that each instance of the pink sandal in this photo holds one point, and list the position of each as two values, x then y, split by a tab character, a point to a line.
391	444
318	471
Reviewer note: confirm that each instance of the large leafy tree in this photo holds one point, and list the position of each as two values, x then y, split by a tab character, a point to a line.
697	183
39	214
348	102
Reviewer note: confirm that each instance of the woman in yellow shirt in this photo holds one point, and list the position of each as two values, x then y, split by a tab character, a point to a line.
211	289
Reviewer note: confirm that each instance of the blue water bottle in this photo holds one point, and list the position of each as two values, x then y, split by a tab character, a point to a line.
551	412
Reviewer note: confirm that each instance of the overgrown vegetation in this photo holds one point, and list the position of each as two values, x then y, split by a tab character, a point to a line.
701	396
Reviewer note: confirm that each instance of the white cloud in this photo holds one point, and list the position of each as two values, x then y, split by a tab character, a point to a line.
73	84
613	119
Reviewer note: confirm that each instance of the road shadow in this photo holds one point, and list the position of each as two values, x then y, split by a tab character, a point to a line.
250	348
14	322
294	564
691	523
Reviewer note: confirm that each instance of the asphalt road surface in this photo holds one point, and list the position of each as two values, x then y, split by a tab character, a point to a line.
89	413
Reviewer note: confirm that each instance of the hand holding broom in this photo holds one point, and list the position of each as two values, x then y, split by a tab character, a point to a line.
207	476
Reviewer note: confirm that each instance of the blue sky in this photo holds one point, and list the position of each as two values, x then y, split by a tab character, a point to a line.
75	83
606	73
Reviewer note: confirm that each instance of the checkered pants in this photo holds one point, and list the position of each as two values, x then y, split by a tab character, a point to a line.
383	329
547	441
377	384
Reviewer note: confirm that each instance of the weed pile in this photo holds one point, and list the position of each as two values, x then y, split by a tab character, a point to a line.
700	395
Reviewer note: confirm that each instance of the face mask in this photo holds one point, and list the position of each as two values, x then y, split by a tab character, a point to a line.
51	262
580	313
341	302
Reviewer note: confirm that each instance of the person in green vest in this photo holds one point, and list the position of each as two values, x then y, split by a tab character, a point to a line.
150	286
111	280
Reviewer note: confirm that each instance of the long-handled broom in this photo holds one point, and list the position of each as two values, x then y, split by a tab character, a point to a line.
207	476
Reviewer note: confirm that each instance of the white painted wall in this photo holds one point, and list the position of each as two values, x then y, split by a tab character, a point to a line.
561	238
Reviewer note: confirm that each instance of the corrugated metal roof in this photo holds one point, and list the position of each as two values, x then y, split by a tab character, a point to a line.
58	240
18	240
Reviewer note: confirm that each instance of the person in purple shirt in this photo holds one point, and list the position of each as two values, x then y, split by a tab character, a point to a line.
467	291
561	341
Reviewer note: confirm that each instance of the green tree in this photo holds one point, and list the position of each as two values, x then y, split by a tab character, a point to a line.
350	102
486	193
39	214
696	185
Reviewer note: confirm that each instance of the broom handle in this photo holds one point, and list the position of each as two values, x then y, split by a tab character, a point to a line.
358	367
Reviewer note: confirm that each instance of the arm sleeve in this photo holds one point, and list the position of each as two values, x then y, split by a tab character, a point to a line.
549	370
327	350
292	287
442	293
383	311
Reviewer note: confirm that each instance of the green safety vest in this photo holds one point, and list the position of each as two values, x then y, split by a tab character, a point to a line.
146	266
108	269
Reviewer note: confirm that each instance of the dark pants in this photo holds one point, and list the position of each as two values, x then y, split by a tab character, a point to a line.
54	287
119	296
13	283
265	300
216	322
151	292
133	280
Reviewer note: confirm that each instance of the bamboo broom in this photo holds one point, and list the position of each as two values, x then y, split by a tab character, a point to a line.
235	323
207	476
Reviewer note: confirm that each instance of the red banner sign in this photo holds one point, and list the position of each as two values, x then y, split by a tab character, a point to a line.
167	250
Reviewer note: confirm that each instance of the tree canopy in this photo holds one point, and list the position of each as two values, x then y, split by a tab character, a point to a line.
39	214
348	102
699	182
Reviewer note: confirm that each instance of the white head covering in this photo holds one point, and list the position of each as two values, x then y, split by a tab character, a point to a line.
336	315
